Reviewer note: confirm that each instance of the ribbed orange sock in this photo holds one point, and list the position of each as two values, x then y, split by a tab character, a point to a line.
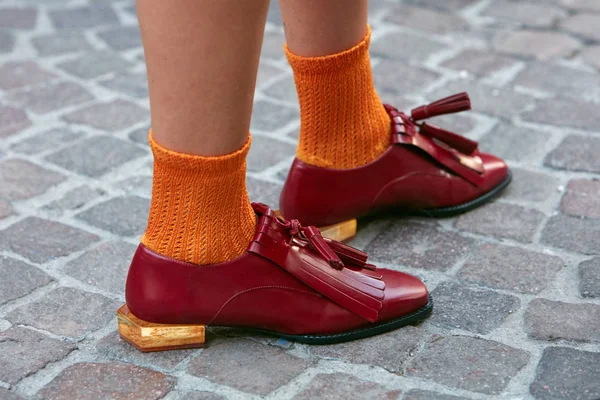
200	211
342	121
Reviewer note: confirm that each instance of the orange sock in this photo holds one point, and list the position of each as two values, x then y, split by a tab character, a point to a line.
200	211
342	121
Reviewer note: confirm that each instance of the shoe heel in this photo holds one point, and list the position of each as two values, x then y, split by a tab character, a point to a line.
149	336
341	232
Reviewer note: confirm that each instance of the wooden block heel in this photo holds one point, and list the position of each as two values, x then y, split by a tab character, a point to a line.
149	336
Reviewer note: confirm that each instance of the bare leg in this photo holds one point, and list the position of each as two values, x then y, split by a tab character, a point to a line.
319	28
202	58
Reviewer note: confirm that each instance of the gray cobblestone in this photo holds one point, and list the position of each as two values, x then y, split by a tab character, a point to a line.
541	45
7	42
565	373
267	116
526	272
418	245
18	361
45	99
406	79
94	64
125	216
591	55
5	394
571	113
501	142
266	152
589	278
133	85
427	395
66	311
552	320
479	62
122	38
450	361
538	15
28	279
25	73
84	17
92	381
74	199
584	25
427	20
559	79
582	198
61	43
18	18
115	115
532	186
202	396
414	47
478	311
21	179
330	386
576	153
49	139
574	234
13	120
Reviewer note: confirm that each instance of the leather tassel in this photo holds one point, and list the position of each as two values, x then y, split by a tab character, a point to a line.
349	255
458	142
321	246
448	105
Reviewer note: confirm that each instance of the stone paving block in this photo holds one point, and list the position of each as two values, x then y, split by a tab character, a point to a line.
570	113
24	352
450	361
389	351
531	186
554	78
344	386
269	117
427	20
75	199
60	43
416	394
263	192
112	116
18	279
541	45
503	221
134	85
397	77
568	374
115	348
139	135
124	216
589	278
584	25
18	18
510	268
15	74
405	46
92	381
266	152
274	14
96	156
458	123
504	103
104	267
576	153
5	394
44	99
479	62
266	73
67	312
552	320
572	234
43	141
591	55
530	14
246	365
7	42
41	240
502	139
20	179
141	185
13	120
83	17
202	396
589	5
448	5
284	89
122	38
272	46
418	245
6	208
94	64
478	311
582	198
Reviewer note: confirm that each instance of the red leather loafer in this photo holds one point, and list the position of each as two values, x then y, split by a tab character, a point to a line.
291	282
426	170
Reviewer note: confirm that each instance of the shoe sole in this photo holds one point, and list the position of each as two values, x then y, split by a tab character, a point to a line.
346	230
150	337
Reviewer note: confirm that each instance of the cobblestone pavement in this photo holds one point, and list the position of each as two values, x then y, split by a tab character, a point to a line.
516	283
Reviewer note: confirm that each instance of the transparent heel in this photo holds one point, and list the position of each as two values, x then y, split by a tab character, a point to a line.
149	336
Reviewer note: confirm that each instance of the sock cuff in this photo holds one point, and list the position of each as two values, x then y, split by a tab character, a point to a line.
209	165
333	62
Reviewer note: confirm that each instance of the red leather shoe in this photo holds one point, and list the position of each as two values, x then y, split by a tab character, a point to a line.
291	282
426	170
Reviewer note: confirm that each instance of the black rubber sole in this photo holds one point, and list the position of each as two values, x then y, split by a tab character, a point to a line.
372	330
444	212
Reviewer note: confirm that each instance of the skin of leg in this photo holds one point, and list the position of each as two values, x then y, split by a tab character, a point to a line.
316	28
202	60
